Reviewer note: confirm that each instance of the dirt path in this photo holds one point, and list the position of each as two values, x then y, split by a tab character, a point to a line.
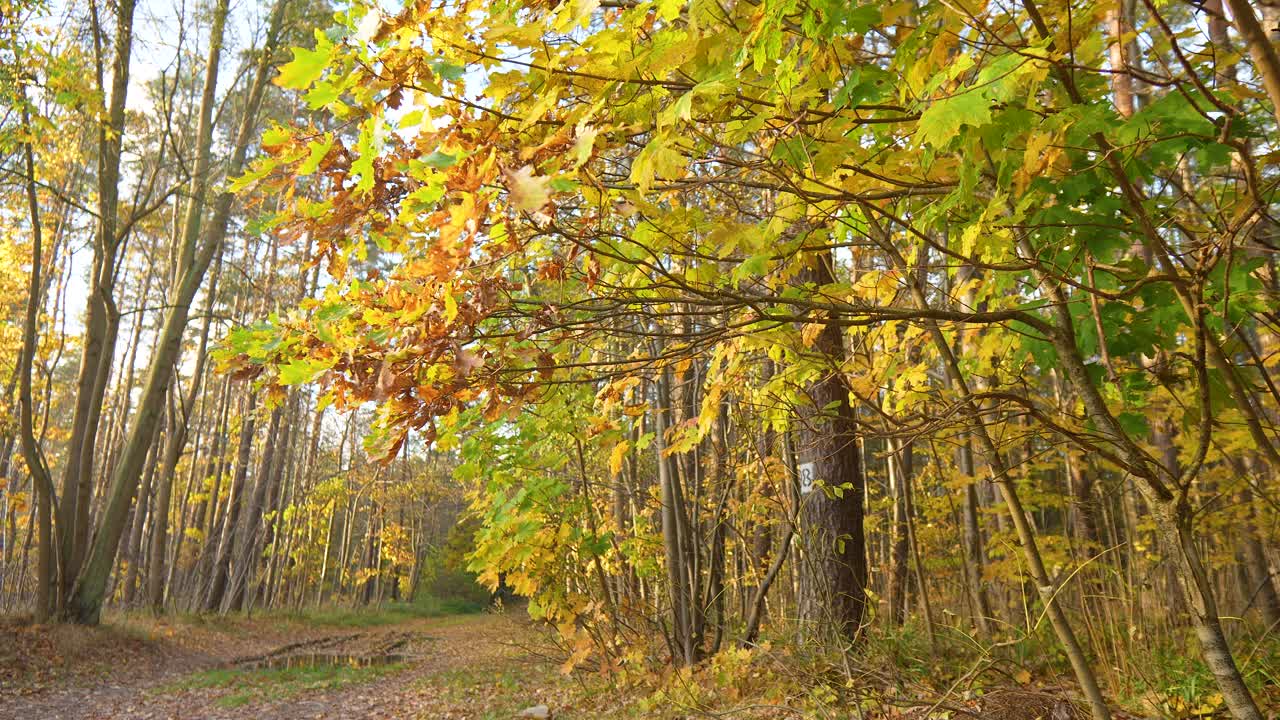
458	667
472	667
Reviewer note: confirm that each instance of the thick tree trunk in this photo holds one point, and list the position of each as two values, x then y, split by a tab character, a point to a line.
831	514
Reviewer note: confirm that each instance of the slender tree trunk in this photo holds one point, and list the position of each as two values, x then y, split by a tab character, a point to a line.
677	577
231	518
173	452
1004	481
1262	588
31	453
899	557
1266	60
756	608
86	603
974	544
250	529
101	316
141	509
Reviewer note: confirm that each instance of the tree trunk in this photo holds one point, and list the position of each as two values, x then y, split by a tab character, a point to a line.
677	577
141	508
1000	475
831	515
1266	60
898	557
39	471
86	602
231	519
173	452
101	318
974	546
250	530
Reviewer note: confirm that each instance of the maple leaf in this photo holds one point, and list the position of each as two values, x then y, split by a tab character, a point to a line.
943	119
584	144
527	192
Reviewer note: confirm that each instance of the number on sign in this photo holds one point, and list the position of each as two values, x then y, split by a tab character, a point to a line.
807	473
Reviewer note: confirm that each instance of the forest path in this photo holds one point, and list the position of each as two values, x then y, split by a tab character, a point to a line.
460	667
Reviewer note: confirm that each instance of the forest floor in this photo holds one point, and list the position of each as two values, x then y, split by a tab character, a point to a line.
394	664
464	666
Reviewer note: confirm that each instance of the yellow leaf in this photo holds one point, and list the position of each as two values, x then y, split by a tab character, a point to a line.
810	332
617	456
450	305
682	366
527	193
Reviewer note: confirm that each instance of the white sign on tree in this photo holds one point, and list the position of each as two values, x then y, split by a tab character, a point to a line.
807	472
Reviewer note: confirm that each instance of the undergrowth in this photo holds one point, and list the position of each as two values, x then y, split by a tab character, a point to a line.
333	616
389	614
895	671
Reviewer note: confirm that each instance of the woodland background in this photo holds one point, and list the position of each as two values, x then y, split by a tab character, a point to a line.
942	329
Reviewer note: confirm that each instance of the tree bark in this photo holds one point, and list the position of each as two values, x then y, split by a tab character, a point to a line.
250	529
899	563
831	516
173	452
1266	60
101	316
31	453
677	577
220	571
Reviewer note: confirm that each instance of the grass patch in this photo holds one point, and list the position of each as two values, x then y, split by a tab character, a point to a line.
390	614
246	686
504	692
1173	681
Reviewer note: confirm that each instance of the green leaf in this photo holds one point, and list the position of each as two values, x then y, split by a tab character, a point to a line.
754	266
262	167
300	371
275	136
942	120
656	160
306	66
324	93
439	160
334	311
446	70
318	150
1134	423
363	165
563	184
